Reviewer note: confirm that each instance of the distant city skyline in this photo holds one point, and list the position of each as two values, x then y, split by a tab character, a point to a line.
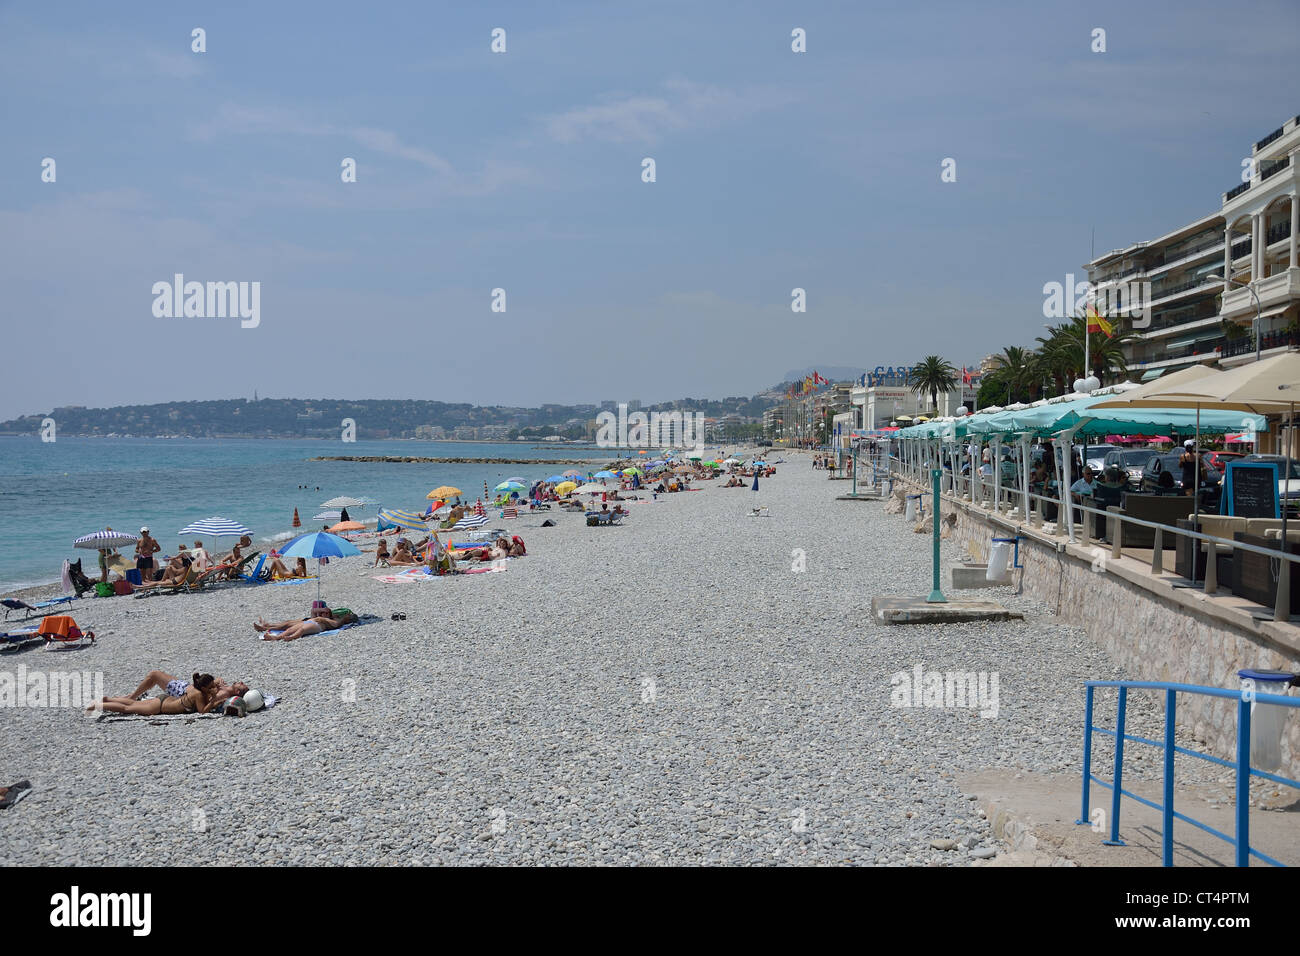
487	178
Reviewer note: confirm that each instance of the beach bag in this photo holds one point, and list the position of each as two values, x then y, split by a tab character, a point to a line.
103	590
121	588
592	521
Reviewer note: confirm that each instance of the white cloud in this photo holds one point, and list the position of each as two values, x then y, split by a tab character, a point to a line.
647	118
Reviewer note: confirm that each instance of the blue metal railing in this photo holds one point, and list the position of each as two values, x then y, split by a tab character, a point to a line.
1241	840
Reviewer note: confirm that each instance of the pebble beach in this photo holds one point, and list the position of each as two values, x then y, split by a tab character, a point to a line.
695	686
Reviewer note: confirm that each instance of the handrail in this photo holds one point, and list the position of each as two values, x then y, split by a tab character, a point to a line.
1245	697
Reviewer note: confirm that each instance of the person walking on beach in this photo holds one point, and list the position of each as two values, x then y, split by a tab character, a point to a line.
145	549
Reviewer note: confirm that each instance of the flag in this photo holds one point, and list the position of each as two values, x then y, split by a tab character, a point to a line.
966	376
1096	323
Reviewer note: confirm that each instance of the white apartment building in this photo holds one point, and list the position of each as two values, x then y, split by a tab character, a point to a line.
1253	236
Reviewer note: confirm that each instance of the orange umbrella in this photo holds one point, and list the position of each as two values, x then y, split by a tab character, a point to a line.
346	526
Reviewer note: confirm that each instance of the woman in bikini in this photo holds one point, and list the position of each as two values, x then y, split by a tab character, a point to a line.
198	697
174	686
177	570
381	553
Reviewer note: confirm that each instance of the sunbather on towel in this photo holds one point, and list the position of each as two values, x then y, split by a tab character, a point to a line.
174	686
280	572
292	630
199	696
402	554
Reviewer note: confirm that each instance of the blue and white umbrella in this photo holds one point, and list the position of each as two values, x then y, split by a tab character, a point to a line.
470	521
318	544
215	527
105	540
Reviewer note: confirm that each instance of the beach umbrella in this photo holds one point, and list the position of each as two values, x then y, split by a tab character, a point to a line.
343	502
604	474
555	479
470	521
327	516
564	487
591	488
572	474
318	544
732	461
297	522
633	471
509	485
105	540
443	492
516	478
403	519
215	527
346	526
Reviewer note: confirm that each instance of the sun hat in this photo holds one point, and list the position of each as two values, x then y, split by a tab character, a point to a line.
253	700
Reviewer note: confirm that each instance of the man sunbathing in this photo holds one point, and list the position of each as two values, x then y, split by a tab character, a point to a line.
402	554
292	630
199	695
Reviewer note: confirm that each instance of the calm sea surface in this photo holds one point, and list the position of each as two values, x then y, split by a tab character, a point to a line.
52	493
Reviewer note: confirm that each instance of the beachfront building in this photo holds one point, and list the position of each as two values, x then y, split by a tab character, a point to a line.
774	422
1187	316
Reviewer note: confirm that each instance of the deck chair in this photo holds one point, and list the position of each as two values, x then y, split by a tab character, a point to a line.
19	637
61	629
257	573
234	571
14	604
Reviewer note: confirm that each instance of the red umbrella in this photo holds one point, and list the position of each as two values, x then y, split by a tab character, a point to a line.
296	522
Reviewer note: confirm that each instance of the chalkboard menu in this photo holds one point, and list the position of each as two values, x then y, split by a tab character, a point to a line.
1250	490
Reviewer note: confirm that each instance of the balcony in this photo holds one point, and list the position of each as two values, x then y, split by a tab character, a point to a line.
1269	340
1276	290
1236	191
1276	134
1270	167
1279	232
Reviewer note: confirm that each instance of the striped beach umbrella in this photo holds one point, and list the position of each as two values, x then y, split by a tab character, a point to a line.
571	474
328	516
105	540
470	521
215	527
343	501
403	519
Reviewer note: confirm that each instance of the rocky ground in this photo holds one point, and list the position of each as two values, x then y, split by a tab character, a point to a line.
696	686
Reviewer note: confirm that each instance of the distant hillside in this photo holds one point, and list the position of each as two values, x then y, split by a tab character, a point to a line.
323	418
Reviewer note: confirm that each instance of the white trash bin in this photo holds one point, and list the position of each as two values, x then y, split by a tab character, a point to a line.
1267	721
999	562
909	515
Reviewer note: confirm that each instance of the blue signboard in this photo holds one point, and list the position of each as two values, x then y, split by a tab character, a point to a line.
1250	490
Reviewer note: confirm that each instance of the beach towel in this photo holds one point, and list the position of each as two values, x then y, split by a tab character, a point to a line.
333	630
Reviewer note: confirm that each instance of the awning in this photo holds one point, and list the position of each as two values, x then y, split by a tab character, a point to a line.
1152	374
1204	335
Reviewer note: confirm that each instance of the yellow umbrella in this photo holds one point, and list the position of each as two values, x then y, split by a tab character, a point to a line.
564	487
443	491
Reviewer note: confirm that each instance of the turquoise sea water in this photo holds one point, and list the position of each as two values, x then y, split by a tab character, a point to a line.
52	493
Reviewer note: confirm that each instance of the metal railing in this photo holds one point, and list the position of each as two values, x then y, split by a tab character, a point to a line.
1240	840
991	493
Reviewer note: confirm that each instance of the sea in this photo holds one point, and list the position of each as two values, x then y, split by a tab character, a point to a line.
52	493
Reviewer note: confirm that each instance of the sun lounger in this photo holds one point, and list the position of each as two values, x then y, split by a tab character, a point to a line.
61	629
17	638
598	518
14	604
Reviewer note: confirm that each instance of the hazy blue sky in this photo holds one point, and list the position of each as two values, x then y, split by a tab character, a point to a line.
522	171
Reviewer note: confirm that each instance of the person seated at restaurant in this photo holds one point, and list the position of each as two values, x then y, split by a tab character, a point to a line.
1085	486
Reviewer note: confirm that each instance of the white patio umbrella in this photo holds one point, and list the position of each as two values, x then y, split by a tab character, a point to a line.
215	527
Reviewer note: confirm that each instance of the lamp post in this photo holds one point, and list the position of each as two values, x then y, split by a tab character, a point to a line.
1250	287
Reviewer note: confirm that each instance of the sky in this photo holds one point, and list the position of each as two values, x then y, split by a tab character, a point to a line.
522	171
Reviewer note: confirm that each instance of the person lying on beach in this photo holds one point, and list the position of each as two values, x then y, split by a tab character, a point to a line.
292	630
177	569
199	696
279	572
173	686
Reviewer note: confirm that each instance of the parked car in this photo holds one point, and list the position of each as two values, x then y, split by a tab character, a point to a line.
1130	461
1150	481
1096	455
1220	459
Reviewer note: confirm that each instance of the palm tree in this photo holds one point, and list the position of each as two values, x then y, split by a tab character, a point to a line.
1013	370
931	376
1063	349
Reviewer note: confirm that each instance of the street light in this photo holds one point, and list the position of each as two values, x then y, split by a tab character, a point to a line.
1250	287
